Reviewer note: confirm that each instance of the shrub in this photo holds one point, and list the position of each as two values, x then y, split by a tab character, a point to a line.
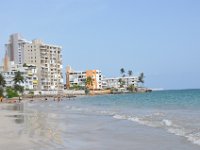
1	92
11	93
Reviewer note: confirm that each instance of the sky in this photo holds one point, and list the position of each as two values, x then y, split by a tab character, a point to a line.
159	38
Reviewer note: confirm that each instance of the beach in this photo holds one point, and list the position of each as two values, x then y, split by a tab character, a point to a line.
157	120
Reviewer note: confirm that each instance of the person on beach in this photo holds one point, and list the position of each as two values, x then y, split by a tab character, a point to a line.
20	99
58	98
1	99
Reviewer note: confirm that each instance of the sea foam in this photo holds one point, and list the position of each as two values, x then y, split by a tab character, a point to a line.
167	124
157	119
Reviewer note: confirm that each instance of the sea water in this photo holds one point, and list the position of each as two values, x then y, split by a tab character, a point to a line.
175	111
142	121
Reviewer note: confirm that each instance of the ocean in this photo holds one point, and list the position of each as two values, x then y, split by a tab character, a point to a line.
158	120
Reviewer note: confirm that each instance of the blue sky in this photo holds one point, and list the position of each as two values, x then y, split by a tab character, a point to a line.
159	38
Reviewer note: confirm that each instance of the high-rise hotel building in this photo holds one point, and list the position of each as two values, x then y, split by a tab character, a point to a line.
48	60
46	57
15	48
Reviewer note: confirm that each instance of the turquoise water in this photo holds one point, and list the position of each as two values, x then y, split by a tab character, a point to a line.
159	120
176	111
177	99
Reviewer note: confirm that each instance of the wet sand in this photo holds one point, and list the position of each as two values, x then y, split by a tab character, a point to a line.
49	125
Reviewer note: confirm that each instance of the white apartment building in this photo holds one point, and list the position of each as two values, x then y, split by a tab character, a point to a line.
77	78
46	58
28	72
115	82
15	48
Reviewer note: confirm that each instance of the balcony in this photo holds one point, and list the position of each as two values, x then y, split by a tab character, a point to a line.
35	82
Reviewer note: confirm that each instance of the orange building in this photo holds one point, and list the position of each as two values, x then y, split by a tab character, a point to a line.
68	70
96	79
93	75
79	78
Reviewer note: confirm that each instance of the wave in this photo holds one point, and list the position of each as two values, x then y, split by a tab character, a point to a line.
167	122
193	137
156	120
171	127
139	120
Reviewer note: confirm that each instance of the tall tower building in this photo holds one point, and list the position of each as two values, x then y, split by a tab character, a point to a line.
15	48
68	71
6	63
48	60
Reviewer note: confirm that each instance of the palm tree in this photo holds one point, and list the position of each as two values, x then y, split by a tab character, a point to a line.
17	80
2	81
89	82
131	88
121	82
130	72
19	88
141	78
2	85
122	71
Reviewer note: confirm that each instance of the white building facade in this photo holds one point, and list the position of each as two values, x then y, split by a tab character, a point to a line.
29	73
115	82
78	78
15	48
48	60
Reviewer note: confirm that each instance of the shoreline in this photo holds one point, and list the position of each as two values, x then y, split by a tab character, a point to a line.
71	95
33	127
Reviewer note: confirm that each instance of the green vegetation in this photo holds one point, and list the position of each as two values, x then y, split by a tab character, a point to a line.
141	78
19	88
113	90
31	92
77	87
122	83
2	81
2	85
130	73
87	91
122	71
17	80
25	65
131	88
1	92
11	92
89	82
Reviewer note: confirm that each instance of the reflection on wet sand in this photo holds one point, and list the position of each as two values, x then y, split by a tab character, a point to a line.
15	107
19	107
35	124
19	119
